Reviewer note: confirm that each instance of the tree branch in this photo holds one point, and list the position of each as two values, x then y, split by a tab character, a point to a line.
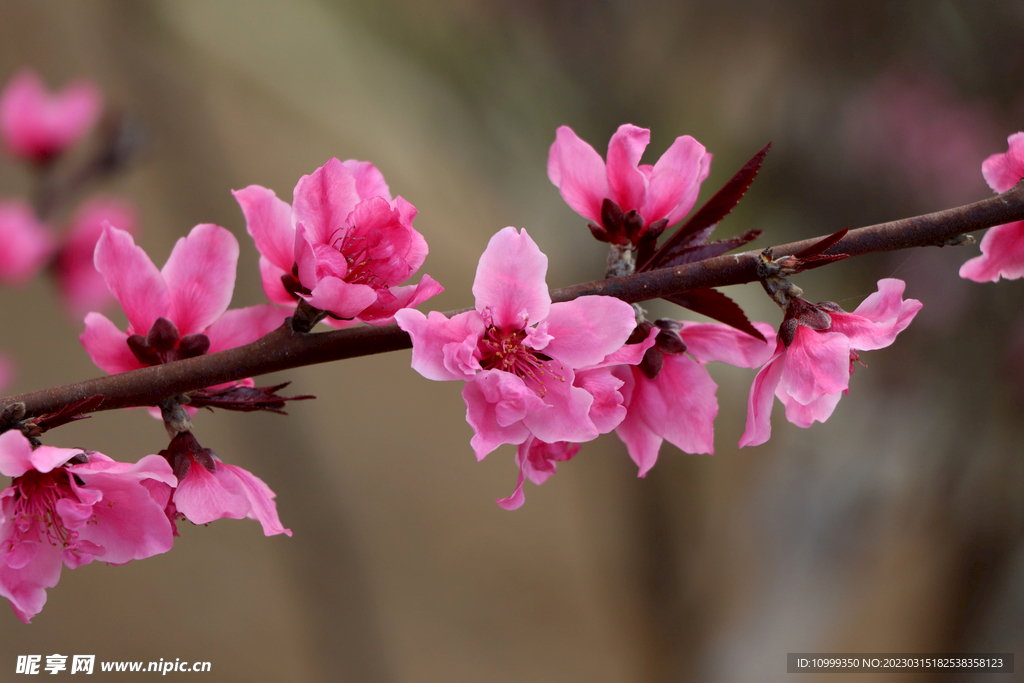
283	349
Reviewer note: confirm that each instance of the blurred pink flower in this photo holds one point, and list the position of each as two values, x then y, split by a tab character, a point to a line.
38	126
1002	247
813	371
66	506
678	402
82	288
646	198
518	352
178	312
342	246
209	489
25	242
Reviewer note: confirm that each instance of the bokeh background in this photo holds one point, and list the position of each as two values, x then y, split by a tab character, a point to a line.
895	527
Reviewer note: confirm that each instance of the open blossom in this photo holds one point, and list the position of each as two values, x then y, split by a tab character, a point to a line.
82	287
643	198
210	489
25	242
66	506
673	397
343	245
36	125
812	371
1002	247
173	313
517	352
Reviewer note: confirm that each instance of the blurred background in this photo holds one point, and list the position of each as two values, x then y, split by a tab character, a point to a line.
895	527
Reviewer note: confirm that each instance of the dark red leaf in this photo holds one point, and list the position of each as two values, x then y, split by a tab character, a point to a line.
717	306
245	399
822	245
713	211
69	413
709	250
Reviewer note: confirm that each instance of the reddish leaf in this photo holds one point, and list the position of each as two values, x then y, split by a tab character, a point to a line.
822	245
713	211
709	250
245	399
69	413
717	306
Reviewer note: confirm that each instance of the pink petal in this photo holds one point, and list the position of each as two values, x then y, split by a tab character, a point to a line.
25	585
369	181
107	345
1002	250
203	497
15	454
567	413
817	363
443	349
270	276
323	200
260	497
716	342
496	403
587	329
341	298
630	354
817	410
579	174
762	396
510	281
607	411
516	500
25	242
879	318
82	287
47	458
382	313
1003	171
627	184
686	203
269	222
132	278
240	326
200	277
36	125
675	180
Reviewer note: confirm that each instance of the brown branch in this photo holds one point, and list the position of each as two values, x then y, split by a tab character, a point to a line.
283	349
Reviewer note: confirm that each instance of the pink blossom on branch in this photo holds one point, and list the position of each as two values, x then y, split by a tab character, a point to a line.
517	352
66	506
37	126
815	355
675	399
1002	247
627	200
173	313
25	242
343	245
82	287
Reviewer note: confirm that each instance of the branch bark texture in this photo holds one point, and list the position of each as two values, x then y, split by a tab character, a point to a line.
284	349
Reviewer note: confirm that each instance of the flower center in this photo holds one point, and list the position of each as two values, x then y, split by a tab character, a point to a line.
506	351
35	506
356	250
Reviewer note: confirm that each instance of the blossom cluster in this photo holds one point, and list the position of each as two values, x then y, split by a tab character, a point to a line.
542	375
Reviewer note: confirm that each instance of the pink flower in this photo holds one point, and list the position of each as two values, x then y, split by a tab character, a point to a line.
25	242
69	506
518	352
342	246
812	372
643	198
37	126
178	312
675	399
1002	247
82	287
537	461
209	489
